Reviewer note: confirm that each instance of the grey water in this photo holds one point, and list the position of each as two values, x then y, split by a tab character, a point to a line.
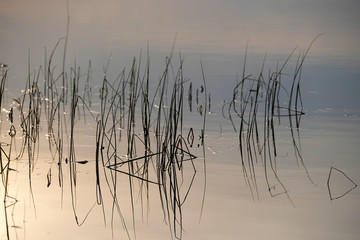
228	39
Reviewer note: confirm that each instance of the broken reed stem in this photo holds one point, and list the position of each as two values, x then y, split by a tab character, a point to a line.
329	187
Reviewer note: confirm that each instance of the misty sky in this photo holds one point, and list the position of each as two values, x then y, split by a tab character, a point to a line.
99	29
200	25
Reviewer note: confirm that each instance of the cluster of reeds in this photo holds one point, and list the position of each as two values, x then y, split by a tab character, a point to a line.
4	157
28	107
149	120
258	104
136	112
157	154
140	131
6	149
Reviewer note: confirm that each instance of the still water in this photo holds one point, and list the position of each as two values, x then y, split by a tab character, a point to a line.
300	199
264	147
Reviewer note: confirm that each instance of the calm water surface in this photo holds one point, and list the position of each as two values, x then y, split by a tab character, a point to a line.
229	210
221	38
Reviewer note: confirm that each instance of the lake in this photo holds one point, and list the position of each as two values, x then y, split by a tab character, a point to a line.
74	172
191	120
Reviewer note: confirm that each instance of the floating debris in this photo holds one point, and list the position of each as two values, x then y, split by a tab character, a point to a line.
212	150
190	97
349	184
11	115
190	137
200	110
82	162
48	177
12	131
201	88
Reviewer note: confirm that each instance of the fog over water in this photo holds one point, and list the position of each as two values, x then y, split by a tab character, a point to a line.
216	32
220	36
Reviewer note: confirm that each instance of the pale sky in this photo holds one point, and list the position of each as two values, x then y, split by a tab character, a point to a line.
200	25
100	28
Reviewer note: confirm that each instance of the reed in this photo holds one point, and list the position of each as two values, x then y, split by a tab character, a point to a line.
332	196
4	158
141	131
148	121
256	94
163	151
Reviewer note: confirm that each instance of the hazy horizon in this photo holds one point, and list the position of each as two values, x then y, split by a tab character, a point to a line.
217	32
254	151
275	26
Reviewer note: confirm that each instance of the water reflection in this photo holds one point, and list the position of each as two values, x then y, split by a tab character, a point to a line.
145	138
346	188
156	151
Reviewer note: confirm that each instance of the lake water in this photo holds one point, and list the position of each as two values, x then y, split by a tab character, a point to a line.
76	174
220	202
